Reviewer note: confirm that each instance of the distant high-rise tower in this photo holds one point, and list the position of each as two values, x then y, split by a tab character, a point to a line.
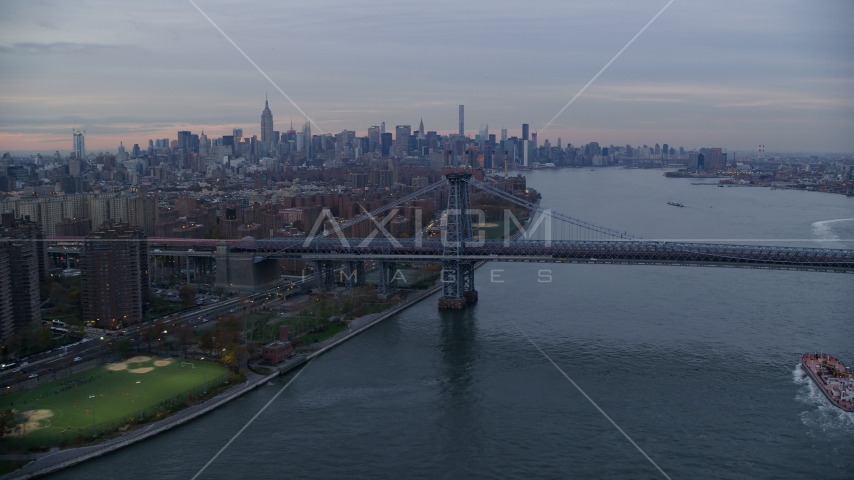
185	141
78	147
401	140
503	134
525	131
421	128
306	134
462	120
266	124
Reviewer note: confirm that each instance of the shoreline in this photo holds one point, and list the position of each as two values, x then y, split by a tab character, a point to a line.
62	459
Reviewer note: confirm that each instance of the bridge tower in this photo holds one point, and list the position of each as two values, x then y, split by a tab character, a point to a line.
388	283
457	274
354	274
324	272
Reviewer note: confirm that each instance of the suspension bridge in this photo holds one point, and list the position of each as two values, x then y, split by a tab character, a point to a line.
249	263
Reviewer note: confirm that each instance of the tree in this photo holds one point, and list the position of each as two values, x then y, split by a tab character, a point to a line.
125	346
206	341
185	336
73	297
187	294
8	422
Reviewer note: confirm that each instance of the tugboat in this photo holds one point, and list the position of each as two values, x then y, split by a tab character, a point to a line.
675	204
831	377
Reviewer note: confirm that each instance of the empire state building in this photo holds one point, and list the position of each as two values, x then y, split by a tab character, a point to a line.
266	124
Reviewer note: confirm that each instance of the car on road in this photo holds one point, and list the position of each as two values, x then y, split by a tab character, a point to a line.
33	375
24	364
77	359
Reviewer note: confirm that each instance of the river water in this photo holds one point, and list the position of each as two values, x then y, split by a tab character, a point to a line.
697	365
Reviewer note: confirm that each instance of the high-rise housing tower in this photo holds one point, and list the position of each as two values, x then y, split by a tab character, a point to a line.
462	121
114	275
23	263
78	146
266	124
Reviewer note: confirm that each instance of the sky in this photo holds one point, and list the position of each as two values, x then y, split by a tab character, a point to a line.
708	73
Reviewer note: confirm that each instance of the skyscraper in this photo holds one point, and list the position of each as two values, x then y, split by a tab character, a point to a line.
421	128
385	143
373	138
306	136
266	124
78	147
525	131
204	144
401	140
185	141
462	121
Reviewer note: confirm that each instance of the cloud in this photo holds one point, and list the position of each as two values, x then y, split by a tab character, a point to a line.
136	69
56	48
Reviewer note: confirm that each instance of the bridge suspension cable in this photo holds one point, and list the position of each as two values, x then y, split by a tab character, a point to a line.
364	216
385	208
587	226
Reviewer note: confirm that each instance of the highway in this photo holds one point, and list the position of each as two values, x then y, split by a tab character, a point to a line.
96	344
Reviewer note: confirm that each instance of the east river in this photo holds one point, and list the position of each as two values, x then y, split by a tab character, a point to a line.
697	365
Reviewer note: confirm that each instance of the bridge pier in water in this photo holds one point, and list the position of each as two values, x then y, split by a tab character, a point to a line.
457	275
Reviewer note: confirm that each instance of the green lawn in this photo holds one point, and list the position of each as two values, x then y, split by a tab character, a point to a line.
61	411
332	330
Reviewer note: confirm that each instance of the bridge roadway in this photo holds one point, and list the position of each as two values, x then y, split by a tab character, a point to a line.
599	252
559	251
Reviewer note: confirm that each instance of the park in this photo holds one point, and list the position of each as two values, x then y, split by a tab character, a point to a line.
107	399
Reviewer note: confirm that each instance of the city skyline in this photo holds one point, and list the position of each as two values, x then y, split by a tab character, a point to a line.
746	75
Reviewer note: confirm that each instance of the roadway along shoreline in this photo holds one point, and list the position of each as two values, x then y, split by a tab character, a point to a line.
54	461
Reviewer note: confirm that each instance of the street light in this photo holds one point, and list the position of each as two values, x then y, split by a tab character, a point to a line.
139	399
92	397
205	375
